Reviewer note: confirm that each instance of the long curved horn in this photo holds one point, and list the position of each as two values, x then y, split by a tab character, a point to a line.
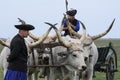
59	35
104	33
33	36
61	39
4	43
41	39
84	32
53	37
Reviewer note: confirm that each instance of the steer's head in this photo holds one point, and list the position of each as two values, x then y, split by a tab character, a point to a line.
73	56
75	60
88	41
86	46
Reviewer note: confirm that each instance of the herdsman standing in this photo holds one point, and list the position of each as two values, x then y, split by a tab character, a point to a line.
17	68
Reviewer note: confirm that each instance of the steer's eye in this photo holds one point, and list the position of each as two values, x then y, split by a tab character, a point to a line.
81	50
74	55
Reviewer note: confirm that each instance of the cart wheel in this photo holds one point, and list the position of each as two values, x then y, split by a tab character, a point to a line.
110	69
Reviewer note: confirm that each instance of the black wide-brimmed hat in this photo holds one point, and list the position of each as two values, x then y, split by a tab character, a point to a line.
72	12
25	27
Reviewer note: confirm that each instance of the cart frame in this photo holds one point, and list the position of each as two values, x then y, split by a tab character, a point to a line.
107	61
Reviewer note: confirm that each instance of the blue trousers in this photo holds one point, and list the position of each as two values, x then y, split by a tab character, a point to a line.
15	75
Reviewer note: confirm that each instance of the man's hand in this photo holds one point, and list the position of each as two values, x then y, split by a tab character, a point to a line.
73	27
64	28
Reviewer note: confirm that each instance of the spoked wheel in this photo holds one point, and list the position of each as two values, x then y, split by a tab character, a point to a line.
110	69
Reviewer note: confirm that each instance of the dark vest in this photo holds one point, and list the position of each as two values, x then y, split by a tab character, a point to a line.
73	22
18	54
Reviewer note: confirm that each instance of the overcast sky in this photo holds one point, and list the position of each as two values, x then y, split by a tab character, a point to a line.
97	15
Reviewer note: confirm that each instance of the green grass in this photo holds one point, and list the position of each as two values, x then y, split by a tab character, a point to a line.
1	47
1	72
103	42
1	75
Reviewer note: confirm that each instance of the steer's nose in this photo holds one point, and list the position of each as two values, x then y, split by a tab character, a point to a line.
85	58
84	68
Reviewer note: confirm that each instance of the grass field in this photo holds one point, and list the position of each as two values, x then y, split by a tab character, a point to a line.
101	42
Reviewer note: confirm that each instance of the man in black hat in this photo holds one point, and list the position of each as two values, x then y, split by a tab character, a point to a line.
17	67
74	22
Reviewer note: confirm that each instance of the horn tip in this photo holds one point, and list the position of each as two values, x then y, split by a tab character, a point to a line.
114	19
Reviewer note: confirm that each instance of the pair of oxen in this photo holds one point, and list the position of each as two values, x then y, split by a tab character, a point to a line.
78	54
